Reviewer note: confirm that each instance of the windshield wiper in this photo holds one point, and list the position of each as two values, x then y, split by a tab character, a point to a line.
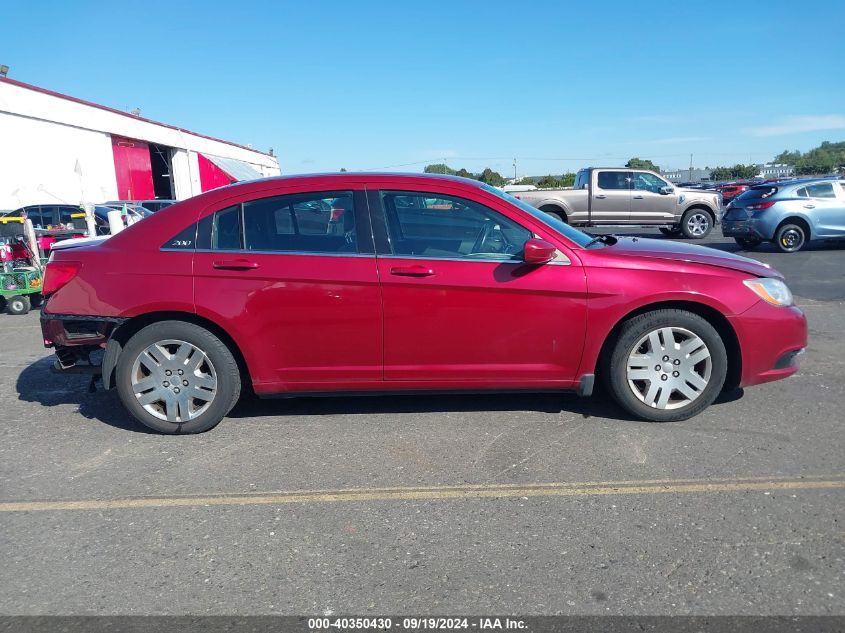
610	240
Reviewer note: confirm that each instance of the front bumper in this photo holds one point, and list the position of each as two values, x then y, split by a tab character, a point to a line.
771	340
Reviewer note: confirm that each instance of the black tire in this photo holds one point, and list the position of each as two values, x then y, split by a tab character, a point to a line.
223	367
36	300
696	224
19	304
670	231
615	366
555	212
748	242
790	238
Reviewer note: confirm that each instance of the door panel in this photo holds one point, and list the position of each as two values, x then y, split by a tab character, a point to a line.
471	322
460	307
648	206
611	197
305	320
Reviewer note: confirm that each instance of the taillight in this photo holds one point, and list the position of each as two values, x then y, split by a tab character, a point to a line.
759	206
57	275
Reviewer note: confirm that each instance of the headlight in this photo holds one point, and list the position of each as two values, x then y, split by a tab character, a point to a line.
770	290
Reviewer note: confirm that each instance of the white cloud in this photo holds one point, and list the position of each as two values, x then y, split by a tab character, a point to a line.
798	124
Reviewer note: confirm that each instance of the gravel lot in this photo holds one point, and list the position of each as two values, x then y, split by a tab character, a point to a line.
766	537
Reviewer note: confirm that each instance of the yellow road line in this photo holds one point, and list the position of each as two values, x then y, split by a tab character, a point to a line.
470	491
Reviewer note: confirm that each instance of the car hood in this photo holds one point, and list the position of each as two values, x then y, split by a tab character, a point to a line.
678	251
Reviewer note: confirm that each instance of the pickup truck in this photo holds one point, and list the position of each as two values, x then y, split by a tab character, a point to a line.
622	196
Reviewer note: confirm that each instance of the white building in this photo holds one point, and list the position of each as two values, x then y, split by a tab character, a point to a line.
775	170
56	148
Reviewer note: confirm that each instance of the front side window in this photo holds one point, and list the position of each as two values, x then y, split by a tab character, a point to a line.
648	182
821	190
614	180
443	226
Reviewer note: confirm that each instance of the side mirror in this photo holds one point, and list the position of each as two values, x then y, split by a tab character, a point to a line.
665	191
537	251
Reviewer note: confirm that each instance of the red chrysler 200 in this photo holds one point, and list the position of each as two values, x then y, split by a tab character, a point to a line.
395	283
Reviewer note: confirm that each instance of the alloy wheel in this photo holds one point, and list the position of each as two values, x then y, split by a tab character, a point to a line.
669	368
174	380
698	224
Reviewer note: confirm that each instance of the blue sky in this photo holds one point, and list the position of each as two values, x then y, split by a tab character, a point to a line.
366	85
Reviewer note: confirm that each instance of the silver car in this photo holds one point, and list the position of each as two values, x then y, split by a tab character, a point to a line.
789	214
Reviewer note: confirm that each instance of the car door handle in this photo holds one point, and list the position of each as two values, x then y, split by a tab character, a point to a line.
601	196
809	206
235	264
412	271
638	197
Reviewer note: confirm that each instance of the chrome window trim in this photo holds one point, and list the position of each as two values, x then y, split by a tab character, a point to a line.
562	261
246	252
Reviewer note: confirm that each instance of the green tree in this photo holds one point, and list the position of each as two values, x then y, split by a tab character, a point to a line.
439	168
342	169
491	177
642	163
720	173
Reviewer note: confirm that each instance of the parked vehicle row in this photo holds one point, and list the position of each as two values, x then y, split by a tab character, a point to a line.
620	196
392	283
788	214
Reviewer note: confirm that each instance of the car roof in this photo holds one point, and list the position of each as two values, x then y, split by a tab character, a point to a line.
797	181
352	176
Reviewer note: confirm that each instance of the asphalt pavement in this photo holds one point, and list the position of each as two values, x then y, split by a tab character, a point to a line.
520	504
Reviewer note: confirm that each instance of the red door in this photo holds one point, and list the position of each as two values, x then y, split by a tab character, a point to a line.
133	169
461	309
293	282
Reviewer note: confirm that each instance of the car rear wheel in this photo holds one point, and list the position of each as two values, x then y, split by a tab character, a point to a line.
790	238
19	304
667	365
696	224
748	242
177	377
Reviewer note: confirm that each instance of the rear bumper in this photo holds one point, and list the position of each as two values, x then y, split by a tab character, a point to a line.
745	228
73	330
771	340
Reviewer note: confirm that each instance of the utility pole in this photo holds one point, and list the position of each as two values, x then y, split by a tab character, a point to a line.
514	169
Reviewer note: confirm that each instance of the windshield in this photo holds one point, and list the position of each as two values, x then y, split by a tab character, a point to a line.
580	238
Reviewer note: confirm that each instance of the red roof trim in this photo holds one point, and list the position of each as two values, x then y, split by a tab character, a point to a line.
52	93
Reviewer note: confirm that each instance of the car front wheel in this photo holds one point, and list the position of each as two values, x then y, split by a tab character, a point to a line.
696	224
667	365
177	377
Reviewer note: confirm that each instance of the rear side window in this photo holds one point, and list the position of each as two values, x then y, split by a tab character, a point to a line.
614	180
226	232
301	223
821	190
582	179
802	193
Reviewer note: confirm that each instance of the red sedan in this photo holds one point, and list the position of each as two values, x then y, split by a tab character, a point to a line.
395	283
